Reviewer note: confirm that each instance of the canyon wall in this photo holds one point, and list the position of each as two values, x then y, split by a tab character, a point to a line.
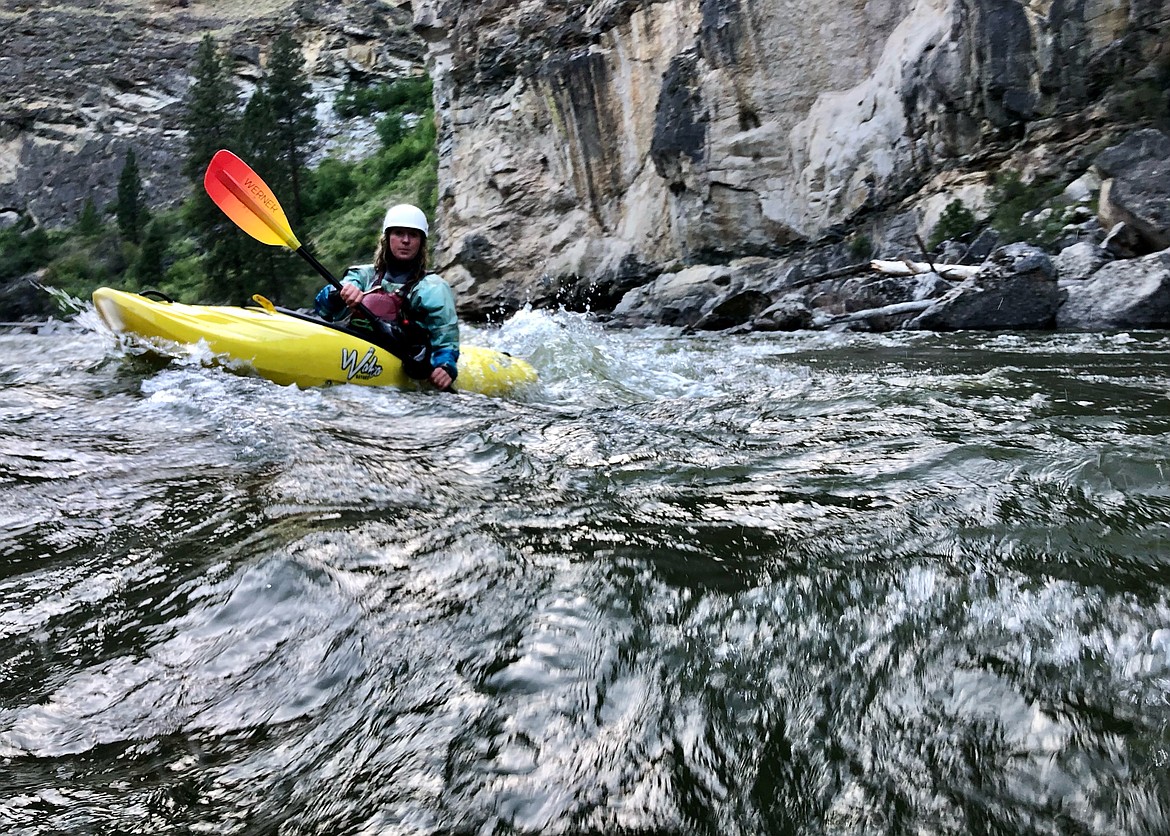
587	148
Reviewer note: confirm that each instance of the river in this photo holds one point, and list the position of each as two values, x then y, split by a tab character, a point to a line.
806	583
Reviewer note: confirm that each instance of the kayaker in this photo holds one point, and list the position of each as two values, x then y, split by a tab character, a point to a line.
398	289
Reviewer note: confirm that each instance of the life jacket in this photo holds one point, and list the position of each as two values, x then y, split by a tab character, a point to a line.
401	335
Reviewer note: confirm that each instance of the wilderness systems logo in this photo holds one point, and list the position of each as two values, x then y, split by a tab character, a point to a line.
365	368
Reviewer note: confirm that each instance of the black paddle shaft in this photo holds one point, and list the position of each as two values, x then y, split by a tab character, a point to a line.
324	271
387	338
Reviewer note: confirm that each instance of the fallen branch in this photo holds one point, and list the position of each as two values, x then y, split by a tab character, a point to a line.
922	244
886	310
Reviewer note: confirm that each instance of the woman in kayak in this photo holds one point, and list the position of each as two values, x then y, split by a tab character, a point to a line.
419	306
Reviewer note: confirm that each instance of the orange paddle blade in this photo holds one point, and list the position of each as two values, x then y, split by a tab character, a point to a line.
247	200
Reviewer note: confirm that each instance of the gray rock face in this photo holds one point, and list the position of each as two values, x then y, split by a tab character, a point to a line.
1137	189
1122	294
67	113
582	138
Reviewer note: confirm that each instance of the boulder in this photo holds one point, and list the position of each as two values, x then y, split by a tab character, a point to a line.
24	299
789	314
1122	294
1083	189
1122	241
734	309
673	298
1079	261
1136	190
1015	290
983	245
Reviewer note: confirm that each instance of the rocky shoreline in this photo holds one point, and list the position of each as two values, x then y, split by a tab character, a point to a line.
1103	279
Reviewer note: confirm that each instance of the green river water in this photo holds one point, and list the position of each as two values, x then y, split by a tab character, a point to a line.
802	583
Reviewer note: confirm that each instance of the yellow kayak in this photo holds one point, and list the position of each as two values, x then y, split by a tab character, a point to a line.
286	348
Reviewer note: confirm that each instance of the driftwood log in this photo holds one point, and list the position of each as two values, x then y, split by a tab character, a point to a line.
905	267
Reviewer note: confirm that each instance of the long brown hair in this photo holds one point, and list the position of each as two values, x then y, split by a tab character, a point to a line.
417	267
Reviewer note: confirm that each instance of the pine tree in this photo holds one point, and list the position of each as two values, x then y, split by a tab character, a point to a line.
292	103
148	266
212	110
130	210
89	222
257	144
273	136
226	256
211	120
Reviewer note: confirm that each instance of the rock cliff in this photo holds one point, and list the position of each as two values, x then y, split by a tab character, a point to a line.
586	148
81	82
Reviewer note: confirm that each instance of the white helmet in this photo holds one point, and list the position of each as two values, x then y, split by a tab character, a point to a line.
405	216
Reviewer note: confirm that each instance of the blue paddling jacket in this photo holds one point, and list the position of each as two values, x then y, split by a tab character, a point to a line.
429	302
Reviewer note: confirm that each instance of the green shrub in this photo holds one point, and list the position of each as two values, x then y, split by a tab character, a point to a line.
349	236
860	247
185	279
405	95
415	148
329	186
77	274
1013	201
23	250
391	130
86	257
955	222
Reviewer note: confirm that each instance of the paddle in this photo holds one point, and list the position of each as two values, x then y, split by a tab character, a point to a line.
246	199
